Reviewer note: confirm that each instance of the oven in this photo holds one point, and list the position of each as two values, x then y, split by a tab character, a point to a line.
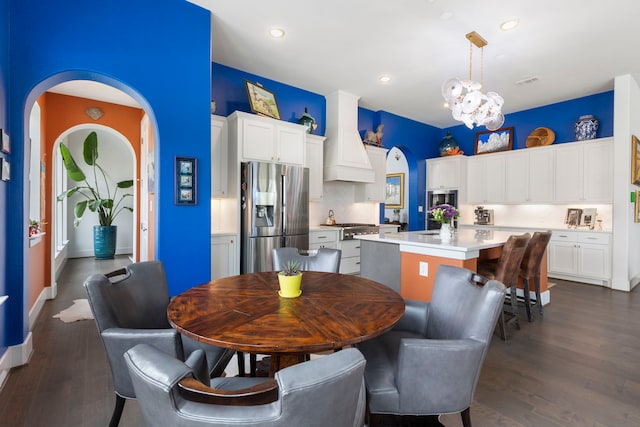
439	197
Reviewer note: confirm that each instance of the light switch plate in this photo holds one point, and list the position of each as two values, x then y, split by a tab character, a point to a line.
424	269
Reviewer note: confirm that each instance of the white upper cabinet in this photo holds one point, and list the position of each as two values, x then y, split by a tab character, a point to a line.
265	139
529	176
445	172
486	178
584	172
219	157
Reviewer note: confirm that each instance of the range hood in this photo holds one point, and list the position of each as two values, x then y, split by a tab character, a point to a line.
345	157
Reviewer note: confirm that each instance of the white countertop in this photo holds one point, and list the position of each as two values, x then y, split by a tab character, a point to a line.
465	244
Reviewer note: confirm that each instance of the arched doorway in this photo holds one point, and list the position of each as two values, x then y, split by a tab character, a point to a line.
118	124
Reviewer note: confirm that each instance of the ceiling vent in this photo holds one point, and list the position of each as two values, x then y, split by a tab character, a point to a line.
527	80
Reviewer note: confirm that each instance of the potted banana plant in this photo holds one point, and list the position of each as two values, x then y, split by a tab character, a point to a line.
102	199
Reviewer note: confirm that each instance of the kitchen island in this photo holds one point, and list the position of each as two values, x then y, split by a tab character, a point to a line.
408	261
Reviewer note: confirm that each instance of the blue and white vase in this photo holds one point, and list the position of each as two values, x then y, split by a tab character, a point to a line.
586	127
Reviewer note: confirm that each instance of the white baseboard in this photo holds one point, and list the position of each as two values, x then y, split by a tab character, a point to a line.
47	293
16	355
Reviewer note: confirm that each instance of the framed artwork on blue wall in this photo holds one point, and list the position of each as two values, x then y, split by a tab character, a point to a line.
262	101
6	142
185	181
395	191
491	141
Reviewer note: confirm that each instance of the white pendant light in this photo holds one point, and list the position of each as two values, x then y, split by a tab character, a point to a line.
465	99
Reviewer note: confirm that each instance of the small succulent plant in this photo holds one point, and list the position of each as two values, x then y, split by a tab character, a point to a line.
291	268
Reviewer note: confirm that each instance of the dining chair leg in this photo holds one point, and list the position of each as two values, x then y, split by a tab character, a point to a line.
240	356
466	417
253	364
527	299
514	305
536	281
117	411
500	326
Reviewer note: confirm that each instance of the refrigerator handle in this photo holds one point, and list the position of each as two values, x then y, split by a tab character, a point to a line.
283	186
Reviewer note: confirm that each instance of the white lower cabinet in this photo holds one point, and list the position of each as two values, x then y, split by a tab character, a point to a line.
350	260
224	261
581	256
323	239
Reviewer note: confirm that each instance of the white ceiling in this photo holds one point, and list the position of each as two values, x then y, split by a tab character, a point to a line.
94	90
573	47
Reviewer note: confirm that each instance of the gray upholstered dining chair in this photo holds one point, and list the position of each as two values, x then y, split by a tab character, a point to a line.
325	259
321	392
430	362
130	307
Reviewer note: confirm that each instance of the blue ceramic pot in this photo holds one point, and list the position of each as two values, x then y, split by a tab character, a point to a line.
104	241
586	127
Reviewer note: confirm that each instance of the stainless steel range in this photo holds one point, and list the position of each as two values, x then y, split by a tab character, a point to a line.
349	230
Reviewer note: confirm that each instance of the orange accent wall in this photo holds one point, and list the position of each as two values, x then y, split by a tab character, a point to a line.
59	113
417	287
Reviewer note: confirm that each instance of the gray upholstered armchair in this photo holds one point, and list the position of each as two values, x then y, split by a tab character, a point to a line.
430	362
130	307
328	391
325	259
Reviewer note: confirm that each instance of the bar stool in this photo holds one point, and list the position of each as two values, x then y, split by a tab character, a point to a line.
507	270
530	268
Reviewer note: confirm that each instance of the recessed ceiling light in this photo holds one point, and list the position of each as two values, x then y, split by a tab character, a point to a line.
385	78
510	24
445	16
276	33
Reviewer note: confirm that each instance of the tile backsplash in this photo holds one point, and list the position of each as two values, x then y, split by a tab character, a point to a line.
552	216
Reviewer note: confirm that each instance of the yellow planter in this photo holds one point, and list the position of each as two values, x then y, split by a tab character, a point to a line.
290	285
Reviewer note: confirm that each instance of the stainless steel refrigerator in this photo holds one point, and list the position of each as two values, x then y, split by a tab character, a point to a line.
274	212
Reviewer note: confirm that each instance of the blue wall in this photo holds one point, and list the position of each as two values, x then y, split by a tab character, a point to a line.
159	53
559	117
4	119
229	91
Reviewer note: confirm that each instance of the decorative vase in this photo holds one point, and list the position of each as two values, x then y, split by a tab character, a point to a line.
446	232
447	145
586	127
308	121
104	241
290	285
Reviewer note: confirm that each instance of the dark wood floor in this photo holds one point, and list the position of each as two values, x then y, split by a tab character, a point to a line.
579	366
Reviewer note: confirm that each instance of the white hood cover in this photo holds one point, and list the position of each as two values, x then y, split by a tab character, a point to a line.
345	158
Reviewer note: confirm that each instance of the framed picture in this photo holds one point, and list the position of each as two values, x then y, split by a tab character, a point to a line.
185	181
262	101
395	191
636	210
5	169
635	160
491	141
6	142
573	217
588	218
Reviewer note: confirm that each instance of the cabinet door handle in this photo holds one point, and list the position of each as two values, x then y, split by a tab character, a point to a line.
357	263
321	237
357	247
592	238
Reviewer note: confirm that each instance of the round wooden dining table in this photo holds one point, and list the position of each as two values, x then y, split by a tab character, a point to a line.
245	313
